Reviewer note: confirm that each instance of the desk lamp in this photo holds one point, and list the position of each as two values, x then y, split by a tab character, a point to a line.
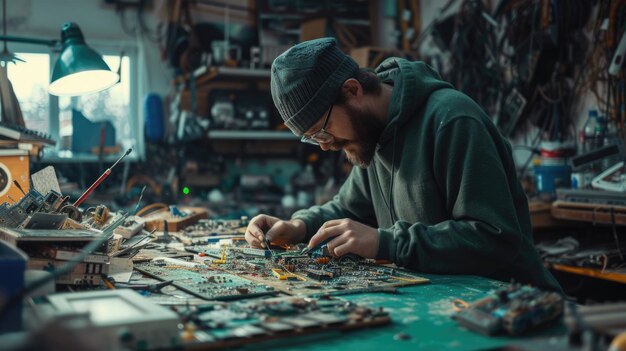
79	69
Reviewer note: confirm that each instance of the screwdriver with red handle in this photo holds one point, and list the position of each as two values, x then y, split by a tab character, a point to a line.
100	179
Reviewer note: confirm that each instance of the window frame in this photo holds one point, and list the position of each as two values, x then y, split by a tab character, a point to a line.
52	154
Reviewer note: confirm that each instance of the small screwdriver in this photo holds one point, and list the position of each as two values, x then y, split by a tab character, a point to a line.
267	244
307	249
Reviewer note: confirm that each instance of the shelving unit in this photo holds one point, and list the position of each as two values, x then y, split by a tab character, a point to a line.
205	74
251	135
592	213
243	72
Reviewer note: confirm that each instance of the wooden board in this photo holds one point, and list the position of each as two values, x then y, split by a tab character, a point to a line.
540	216
154	220
593	213
609	274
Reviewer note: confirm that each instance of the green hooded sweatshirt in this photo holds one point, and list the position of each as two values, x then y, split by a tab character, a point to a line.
442	188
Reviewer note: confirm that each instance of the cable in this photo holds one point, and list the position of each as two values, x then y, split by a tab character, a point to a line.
459	305
393	159
150	208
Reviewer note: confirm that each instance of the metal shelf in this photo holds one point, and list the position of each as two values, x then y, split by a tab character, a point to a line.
69	157
204	74
251	135
243	72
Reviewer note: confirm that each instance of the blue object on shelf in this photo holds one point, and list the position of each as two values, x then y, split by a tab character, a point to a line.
12	267
550	177
153	106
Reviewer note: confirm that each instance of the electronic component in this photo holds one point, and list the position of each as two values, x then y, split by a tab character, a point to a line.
84	273
256	252
249	322
206	250
22	237
513	310
120	319
33	201
101	215
222	259
206	283
130	227
317	248
329	275
41	220
284	275
613	179
213	227
256	264
319	274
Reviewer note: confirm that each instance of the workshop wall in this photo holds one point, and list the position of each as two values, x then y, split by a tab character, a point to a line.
538	84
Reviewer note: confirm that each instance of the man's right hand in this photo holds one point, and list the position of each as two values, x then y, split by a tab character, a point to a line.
275	230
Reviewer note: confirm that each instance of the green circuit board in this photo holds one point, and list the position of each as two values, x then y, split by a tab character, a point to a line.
292	273
204	282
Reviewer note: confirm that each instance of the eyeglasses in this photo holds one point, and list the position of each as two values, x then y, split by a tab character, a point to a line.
321	136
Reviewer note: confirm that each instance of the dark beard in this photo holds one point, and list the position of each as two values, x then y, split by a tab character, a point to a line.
367	129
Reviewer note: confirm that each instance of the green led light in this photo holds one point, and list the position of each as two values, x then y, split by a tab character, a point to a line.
186	190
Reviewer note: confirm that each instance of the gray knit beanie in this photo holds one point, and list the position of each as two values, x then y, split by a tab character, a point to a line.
307	79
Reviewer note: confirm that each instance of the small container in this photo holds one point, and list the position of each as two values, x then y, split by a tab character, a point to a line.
550	177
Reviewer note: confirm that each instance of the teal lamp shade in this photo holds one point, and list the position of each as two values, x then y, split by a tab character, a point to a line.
79	69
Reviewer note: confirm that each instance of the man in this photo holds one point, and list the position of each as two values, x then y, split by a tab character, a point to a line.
434	188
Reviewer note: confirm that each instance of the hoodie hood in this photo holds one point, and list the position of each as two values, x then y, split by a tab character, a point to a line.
413	82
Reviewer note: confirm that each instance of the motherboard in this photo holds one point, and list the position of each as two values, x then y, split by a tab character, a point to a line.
204	282
235	271
226	325
513	310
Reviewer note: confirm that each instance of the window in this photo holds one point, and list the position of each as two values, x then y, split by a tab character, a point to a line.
43	112
30	82
109	105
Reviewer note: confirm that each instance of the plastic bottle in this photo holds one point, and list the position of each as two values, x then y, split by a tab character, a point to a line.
599	132
589	131
612	137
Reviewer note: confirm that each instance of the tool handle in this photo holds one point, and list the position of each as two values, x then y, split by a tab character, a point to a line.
92	187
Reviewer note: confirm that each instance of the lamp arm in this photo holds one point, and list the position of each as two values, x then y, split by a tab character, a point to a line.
53	43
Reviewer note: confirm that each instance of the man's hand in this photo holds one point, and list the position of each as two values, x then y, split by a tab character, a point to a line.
275	230
349	237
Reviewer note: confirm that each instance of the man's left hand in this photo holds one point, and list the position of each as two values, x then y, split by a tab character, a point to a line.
349	237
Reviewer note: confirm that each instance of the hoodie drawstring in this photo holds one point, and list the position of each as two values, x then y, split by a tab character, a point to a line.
392	211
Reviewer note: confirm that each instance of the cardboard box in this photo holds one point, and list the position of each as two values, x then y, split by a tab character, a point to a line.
370	56
313	29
